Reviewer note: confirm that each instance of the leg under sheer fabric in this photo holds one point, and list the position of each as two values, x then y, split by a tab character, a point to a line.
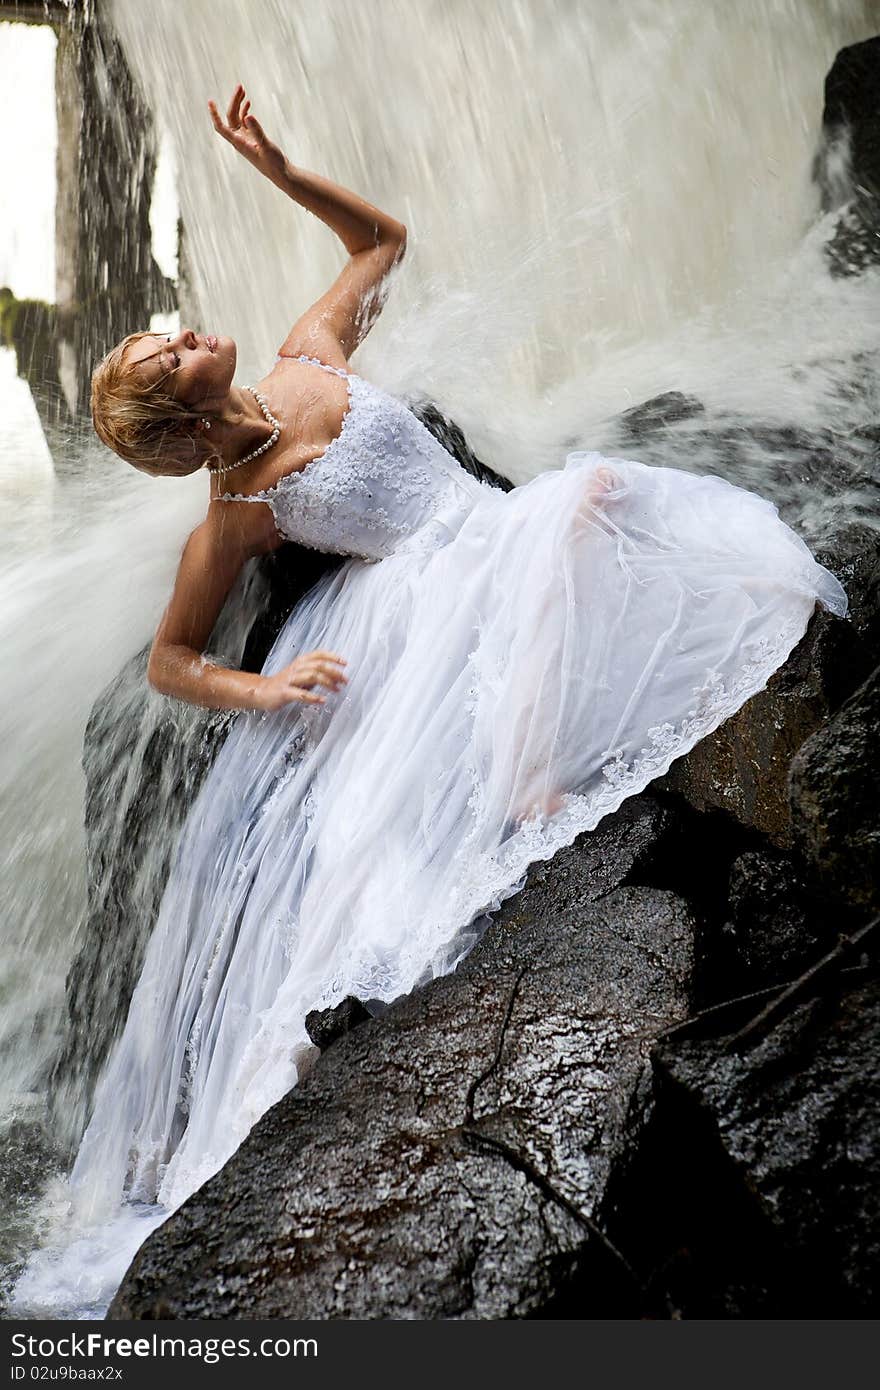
537	785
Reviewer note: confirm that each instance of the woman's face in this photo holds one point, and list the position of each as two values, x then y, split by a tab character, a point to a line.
197	367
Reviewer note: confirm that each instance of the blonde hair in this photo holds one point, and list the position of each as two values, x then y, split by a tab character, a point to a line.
142	423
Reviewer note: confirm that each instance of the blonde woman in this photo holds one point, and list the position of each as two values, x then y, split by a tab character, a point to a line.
487	675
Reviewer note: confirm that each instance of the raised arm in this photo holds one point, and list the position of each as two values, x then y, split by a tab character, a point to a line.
212	559
375	241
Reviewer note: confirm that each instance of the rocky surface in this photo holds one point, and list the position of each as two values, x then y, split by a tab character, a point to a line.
448	1160
757	1191
835	802
742	768
650	418
848	166
771	933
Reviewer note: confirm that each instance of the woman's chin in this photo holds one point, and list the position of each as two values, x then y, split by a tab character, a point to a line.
227	347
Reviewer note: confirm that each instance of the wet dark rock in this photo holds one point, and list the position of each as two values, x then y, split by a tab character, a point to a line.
787	462
834	802
29	327
28	1155
107	151
451	436
853	554
852	100
624	848
771	934
324	1026
447	1160
848	164
826	460
742	768
654	416
755	1189
855	244
108	283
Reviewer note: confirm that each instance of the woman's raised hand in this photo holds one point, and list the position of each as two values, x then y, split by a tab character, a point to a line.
245	134
293	683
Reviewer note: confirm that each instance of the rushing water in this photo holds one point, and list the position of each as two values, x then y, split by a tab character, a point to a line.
604	203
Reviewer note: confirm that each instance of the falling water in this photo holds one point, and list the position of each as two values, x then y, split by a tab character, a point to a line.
603	205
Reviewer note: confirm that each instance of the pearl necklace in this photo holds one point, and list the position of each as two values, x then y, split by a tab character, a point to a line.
254	453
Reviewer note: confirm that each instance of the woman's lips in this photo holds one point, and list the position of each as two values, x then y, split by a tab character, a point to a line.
212	342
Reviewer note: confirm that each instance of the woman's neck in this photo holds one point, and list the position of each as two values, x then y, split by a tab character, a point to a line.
242	427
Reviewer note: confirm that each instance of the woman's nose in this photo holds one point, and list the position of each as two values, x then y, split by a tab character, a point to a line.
188	338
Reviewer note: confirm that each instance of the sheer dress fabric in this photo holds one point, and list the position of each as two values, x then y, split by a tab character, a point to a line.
574	635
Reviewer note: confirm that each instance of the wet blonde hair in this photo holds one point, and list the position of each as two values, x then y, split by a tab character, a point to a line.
143	423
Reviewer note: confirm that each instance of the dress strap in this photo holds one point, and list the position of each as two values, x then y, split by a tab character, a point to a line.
301	357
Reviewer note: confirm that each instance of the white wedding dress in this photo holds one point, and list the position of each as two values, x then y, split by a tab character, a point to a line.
574	635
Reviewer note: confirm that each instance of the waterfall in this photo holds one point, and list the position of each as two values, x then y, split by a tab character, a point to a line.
603	205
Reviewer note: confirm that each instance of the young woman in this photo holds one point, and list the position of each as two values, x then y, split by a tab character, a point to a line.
486	675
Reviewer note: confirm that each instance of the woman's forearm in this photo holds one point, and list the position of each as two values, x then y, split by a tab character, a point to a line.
187	675
358	224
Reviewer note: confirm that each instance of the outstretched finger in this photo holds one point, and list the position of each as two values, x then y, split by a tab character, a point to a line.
215	117
232	115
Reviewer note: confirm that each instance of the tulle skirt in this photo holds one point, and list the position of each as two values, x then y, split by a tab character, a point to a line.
506	691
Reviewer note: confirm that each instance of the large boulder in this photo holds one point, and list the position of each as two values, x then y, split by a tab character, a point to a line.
848	165
742	768
771	933
449	1159
756	1191
853	554
834	803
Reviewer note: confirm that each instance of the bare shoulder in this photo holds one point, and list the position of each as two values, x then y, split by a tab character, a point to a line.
312	339
334	326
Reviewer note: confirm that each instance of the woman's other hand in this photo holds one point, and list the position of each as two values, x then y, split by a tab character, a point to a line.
293	683
245	134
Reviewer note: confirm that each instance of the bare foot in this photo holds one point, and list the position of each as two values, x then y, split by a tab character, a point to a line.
599	484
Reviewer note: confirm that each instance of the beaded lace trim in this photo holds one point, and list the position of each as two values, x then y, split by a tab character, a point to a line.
376	487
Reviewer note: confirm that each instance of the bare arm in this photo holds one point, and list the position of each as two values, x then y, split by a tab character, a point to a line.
212	559
375	241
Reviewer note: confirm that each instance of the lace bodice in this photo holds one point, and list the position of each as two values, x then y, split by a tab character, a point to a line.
382	485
